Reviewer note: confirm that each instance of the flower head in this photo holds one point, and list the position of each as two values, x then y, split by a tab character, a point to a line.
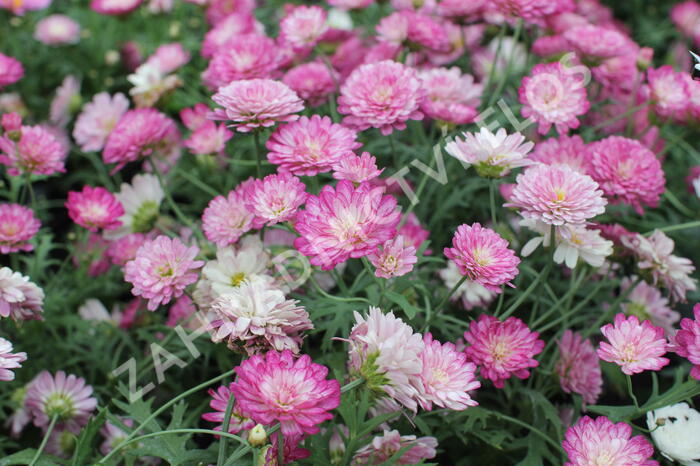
11	70
668	91
9	360
313	82
141	201
594	43
356	169
471	293
385	447
274	199
114	7
227	218
97	119
688	341
57	30
674	431
646	302
564	150
245	56
451	96
18	225
633	346
20	298
394	258
219	402
303	26
94	208
493	155
38	151
578	367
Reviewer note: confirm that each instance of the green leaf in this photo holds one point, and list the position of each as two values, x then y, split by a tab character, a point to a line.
25	457
401	300
615	413
86	437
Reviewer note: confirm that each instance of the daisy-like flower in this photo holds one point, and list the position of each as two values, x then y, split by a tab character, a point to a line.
556	195
451	96
11	70
633	346
595	43
219	402
303	26
447	376
18	225
208	139
94	208
150	84
394	258
256	103
310	145
383	449
274	199
654	254
144	132
114	435
674	431
564	150
345	222
502	349
57	30
256	317
232	25
493	155
552	96
313	82
141	202
9	360
65	102
600	441
471	293
688	341
114	7
65	396
578	367
627	172
169	57
227	218
356	169
647	303
248	56
98	119
668	91
37	151
294	392
381	95
483	256
162	269
20	298
386	353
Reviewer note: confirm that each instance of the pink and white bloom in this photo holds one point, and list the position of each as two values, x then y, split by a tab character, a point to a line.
688	341
274	199
452	97
303	26
97	120
219	402
243	57
141	201
37	151
633	346
296	393
502	349
578	367
208	139
114	7
647	303
381	95
20	298
564	150
9	360
232	25
313	82
162	269
65	102
356	169
594	43
21	7
394	258
150	84
94	208
169	57
492	155
57	30
600	441
18	225
472	294
668	91
384	447
11	70
227	218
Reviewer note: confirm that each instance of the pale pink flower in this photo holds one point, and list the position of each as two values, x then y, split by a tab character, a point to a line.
169	57
493	155
553	95
385	352
600	441
113	435
350	4
274	199
502	349
303	26
218	10
208	139
18	225
66	396
598	42
686	17
233	25
447	377
414	233
66	100
162	269
647	303
296	393
57	30
483	256
564	150
11	70
38	152
219	402
114	7
532	11
383	449
20	298
12	123
313	82
452	97
668	91
381	95
94	208
310	145
20	7
226	218
394	258
97	120
256	317
424	31
9	360
356	169
256	103
687	343
393	29
578	367
556	195
633	346
345	222
460	8
627	172
249	56
194	117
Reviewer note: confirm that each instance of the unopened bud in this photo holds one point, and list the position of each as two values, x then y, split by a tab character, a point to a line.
257	436
12	124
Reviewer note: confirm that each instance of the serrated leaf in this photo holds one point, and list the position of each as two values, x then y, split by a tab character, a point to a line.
401	300
86	437
25	457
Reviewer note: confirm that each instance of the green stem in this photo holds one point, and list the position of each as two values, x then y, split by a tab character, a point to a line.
492	201
280	448
258	165
224	428
532	429
523	296
394	153
335	298
30	188
630	390
611	310
350	385
44	440
450	293
680	226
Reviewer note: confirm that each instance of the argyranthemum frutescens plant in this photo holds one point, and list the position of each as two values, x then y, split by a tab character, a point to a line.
350	232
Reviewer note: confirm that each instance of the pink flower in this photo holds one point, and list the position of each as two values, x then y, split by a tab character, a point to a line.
122	250
447	376
394	258
565	150
163	267
451	96
17	226
256	103
11	70
668	92
356	169
57	30
19	8
502	349
94	208
556	195
218	10
20	298
276	387
233	25
208	139
37	152
598	42
310	145
313	82
9	360
553	95
219	402
97	120
414	233
579	368
248	56
383	449
350	4
303	26
493	155
114	7
645	302
194	117
113	435
532	11
627	172
169	57
226	218
381	95
688	341
345	222
64	396
140	133
633	346
600	441
483	256
274	199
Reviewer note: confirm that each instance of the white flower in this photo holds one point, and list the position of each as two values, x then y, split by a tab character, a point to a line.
493	155
471	293
93	309
141	201
150	84
339	19
675	430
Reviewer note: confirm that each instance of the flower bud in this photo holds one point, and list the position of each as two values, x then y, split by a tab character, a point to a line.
257	436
